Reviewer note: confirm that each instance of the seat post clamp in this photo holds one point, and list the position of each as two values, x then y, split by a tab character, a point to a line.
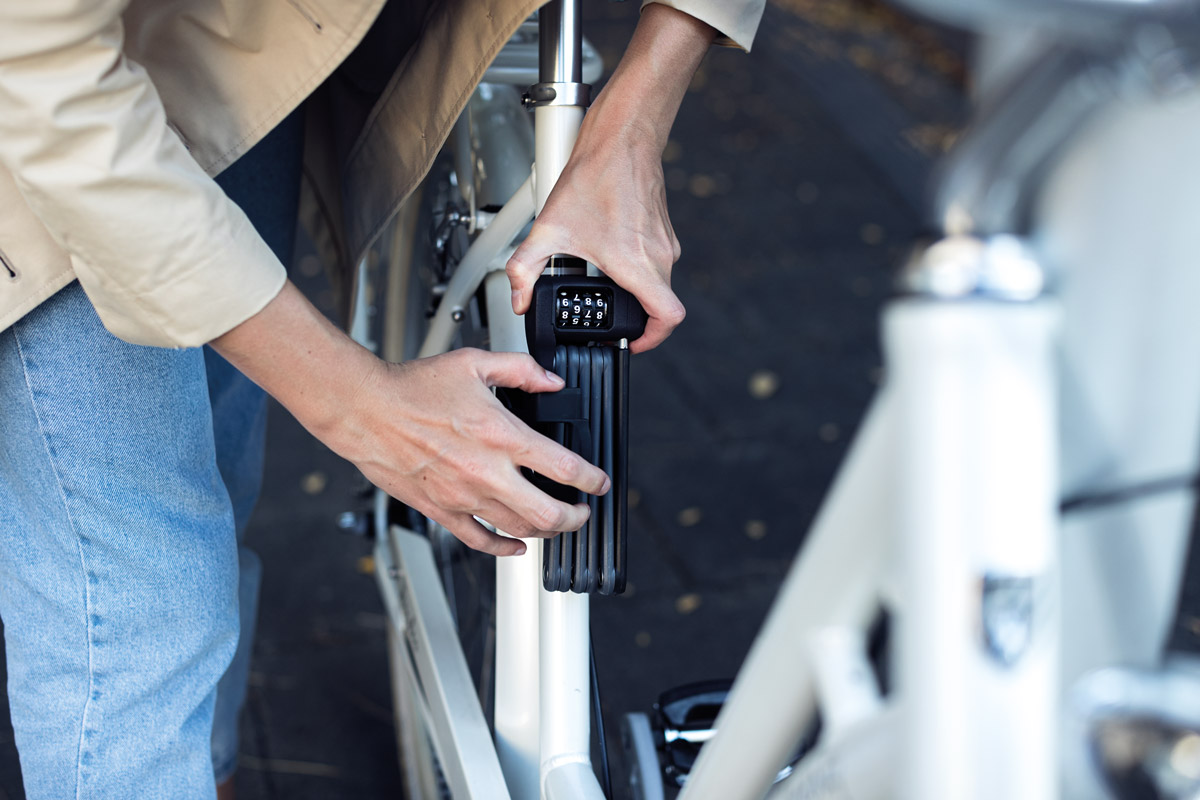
558	94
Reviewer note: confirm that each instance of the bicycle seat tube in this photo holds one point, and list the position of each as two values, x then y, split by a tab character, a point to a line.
559	98
543	718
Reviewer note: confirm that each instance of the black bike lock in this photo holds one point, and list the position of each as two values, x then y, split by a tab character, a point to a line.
579	328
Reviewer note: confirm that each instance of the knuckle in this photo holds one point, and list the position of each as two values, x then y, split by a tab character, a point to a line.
454	497
492	430
515	270
645	251
654	249
471	470
674	315
459	359
549	518
523	362
520	529
567	467
469	353
475	539
663	254
449	498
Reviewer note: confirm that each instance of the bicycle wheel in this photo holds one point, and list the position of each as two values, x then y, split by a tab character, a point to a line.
412	265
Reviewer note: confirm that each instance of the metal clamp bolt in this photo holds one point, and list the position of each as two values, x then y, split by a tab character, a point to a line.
558	94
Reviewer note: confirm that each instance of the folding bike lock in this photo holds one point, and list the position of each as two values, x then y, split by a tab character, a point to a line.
579	327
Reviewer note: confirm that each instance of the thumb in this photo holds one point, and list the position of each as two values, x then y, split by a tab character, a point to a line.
517	371
524	267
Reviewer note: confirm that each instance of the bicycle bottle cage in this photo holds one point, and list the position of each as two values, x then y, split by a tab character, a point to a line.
579	328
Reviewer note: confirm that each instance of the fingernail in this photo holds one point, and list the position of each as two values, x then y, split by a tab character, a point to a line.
554	378
607	485
520	551
516	297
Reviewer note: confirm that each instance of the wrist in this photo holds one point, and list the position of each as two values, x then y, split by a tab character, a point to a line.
306	363
638	105
330	407
619	123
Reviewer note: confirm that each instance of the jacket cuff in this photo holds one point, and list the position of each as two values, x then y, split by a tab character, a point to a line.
236	282
736	21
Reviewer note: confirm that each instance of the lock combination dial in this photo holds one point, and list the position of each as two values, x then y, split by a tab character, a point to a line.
578	309
583	307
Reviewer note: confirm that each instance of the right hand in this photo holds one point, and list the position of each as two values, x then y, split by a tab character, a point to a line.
429	432
432	434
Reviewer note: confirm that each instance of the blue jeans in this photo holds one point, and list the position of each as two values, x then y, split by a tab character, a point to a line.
118	559
266	184
239	413
126	476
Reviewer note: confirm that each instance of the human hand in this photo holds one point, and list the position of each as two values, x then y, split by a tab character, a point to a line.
431	433
428	432
610	208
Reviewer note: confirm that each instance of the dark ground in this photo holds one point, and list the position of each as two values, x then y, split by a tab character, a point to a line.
794	175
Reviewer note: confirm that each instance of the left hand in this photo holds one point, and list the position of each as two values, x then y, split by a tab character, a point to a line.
610	203
610	208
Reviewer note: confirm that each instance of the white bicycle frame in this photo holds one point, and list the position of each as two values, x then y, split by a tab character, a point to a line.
946	507
945	511
542	714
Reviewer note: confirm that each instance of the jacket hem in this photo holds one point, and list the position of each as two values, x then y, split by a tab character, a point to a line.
43	292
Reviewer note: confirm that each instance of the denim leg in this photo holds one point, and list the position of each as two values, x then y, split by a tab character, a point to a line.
239	410
118	560
265	183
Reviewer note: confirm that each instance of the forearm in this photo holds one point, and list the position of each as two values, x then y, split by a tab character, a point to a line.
642	98
429	432
301	359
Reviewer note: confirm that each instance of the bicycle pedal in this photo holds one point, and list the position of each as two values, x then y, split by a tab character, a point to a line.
684	718
579	327
1136	731
641	755
681	722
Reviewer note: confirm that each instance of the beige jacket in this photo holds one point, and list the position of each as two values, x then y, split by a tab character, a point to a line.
115	114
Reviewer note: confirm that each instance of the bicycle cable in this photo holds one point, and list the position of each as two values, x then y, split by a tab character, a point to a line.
596	712
1087	501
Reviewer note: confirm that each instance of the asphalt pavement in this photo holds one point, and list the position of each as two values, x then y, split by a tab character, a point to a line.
795	177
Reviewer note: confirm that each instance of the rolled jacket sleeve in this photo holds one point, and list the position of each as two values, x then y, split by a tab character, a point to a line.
736	21
166	258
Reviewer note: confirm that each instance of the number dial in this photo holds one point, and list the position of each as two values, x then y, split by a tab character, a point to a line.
583	307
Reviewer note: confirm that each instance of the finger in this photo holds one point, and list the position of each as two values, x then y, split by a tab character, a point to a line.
525	265
468	531
515	371
542	511
665	313
561	465
509	521
656	333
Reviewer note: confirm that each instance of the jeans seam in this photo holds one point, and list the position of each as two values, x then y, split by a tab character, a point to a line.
87	598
